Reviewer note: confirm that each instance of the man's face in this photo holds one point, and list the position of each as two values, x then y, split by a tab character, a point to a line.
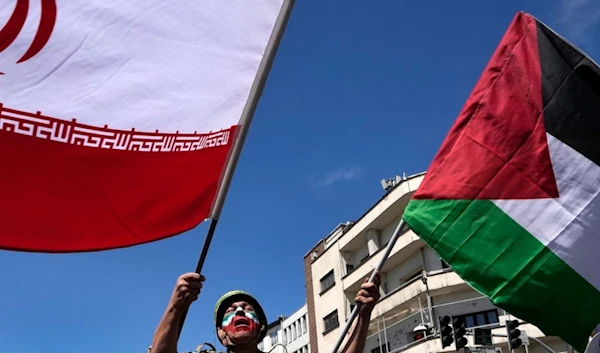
240	323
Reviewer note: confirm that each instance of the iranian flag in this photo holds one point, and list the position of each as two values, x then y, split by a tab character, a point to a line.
120	119
512	199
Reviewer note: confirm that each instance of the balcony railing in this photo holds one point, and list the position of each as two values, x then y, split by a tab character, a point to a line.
406	245
382	327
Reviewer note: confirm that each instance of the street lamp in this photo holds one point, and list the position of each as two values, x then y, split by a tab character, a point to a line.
278	344
421	331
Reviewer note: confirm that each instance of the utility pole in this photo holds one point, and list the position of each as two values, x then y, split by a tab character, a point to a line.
429	304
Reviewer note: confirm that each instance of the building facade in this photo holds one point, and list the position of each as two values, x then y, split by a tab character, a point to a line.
417	289
288	334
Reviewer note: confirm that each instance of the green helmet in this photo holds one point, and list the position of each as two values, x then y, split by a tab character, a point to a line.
237	295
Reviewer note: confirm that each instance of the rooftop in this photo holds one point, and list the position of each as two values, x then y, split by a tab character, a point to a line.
341	229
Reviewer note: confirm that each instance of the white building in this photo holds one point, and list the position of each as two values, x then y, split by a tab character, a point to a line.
295	329
288	334
416	286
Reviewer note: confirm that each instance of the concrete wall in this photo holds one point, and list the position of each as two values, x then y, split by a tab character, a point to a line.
310	295
387	231
330	300
399	275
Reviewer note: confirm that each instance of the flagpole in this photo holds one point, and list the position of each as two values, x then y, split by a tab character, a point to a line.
245	121
402	226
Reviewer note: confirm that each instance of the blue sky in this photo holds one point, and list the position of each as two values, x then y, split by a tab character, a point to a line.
360	91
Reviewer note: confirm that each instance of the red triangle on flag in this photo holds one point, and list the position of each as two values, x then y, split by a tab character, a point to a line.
497	148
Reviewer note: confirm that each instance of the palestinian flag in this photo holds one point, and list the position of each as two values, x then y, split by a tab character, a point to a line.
118	118
512	199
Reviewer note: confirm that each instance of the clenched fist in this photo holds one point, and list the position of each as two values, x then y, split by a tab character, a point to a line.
186	290
368	295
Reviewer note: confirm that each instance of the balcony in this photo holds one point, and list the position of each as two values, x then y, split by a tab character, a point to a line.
399	299
386	211
407	244
399	312
403	301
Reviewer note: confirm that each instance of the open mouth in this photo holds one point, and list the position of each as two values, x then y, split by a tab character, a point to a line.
241	321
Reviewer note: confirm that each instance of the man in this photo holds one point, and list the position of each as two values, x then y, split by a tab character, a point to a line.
240	320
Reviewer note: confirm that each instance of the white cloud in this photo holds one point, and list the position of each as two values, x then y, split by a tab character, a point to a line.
577	19
339	175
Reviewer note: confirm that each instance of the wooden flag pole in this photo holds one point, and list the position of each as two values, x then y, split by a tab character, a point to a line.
245	121
402	226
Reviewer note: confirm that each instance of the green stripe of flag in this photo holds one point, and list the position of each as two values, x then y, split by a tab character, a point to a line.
500	259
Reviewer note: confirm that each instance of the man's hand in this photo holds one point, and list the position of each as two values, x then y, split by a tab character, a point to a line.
186	291
368	295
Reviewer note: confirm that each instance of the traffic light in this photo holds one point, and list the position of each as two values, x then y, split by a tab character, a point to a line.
446	332
514	333
460	330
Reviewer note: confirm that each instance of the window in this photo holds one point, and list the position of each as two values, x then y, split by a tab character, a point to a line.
482	336
289	335
274	338
303	323
481	318
294	331
382	349
413	276
327	282
331	321
349	269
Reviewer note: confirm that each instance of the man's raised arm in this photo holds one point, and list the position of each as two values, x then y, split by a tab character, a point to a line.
367	297
186	291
